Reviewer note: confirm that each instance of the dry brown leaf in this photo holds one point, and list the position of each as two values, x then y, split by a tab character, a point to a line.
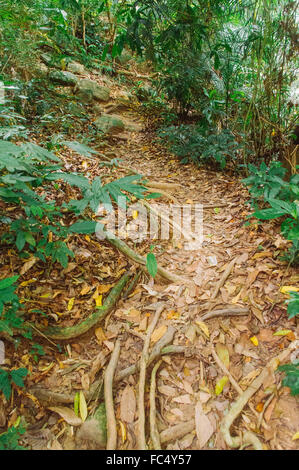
204	428
167	390
26	266
67	414
85	381
128	405
158	333
185	399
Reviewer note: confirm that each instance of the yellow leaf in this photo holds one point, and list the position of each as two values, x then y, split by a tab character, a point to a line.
282	332
220	385
70	304
287	289
296	436
26	283
83	406
254	340
87	238
223	354
50	237
135	215
123	431
263	254
98	300
85	290
203	328
259	407
158	333
46	296
105	288
173	315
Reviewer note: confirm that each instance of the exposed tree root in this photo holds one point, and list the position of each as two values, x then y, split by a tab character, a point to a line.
70	332
226	312
178	431
155	437
108	393
160	348
126	250
237	407
141	388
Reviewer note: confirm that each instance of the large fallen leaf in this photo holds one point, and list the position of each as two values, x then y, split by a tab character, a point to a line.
82	406
26	266
67	414
128	405
204	428
158	333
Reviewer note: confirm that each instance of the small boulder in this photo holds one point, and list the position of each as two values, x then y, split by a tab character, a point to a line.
75	67
89	89
63	78
109	124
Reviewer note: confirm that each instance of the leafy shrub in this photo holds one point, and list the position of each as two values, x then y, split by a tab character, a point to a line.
267	186
9	440
10	307
292	377
192	143
14	376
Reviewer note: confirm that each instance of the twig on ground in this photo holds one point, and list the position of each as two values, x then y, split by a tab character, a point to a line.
225	370
153	425
108	393
141	389
243	399
224	276
178	431
226	312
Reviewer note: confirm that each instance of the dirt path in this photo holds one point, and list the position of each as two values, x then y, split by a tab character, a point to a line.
192	388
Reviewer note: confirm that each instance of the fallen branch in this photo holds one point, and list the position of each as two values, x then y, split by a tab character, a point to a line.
226	312
178	431
143	364
153	425
70	332
226	371
108	393
243	399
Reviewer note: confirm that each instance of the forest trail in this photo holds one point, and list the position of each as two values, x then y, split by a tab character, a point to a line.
235	273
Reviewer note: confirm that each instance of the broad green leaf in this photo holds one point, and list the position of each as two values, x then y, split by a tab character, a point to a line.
4	283
151	264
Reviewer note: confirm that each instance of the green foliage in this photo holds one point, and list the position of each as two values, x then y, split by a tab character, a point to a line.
194	143
293	304
10	307
151	264
292	377
266	185
9	440
14	376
